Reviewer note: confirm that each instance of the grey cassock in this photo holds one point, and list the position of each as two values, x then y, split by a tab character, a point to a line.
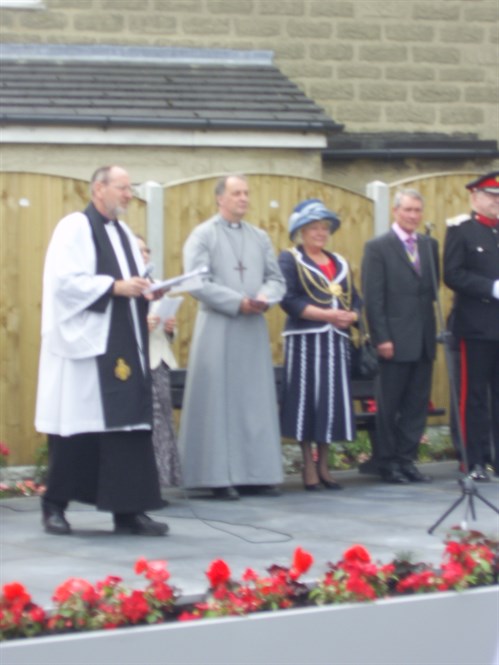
229	431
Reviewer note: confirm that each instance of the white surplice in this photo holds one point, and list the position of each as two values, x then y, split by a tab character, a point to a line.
68	396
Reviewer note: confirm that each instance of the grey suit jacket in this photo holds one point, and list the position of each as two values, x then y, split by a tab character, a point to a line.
398	301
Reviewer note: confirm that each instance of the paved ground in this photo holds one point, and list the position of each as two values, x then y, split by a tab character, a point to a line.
256	531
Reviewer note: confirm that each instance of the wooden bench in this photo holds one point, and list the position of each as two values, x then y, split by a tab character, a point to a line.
362	392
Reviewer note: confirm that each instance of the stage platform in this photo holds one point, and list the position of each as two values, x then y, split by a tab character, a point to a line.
256	531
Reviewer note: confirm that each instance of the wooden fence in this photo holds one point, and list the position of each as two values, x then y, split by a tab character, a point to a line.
32	204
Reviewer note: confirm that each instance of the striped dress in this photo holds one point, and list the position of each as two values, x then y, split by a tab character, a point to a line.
316	402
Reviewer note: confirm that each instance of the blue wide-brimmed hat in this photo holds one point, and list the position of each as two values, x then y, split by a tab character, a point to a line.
311	210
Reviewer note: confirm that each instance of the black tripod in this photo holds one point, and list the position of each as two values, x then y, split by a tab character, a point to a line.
469	490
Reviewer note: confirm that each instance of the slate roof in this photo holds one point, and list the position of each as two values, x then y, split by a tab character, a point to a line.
152	88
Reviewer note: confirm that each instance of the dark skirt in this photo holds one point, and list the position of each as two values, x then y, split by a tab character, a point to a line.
163	433
316	403
115	471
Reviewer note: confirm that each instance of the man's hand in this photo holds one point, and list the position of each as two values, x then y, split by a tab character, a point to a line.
253	305
131	288
386	350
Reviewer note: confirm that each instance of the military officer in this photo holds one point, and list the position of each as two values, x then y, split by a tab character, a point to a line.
471	270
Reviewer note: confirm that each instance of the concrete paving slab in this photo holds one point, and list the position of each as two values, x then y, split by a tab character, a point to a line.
256	531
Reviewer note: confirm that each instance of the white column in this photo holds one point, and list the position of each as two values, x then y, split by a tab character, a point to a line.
380	193
152	193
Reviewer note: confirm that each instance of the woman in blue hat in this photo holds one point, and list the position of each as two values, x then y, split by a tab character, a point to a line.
321	303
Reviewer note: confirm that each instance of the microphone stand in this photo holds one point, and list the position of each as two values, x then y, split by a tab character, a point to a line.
469	491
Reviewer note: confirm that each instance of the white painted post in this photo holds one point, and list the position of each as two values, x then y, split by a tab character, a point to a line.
152	193
380	193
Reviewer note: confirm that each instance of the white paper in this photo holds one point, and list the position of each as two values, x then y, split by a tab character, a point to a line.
167	307
180	282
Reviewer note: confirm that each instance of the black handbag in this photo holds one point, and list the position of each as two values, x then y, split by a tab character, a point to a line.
363	357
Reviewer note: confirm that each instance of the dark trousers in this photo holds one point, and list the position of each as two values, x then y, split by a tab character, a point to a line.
402	396
480	400
115	471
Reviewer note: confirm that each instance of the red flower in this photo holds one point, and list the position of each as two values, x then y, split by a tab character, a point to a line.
162	592
250	575
135	607
301	563
357	554
218	572
16	592
37	614
140	565
360	587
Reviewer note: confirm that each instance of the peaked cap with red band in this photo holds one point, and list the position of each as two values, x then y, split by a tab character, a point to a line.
485	183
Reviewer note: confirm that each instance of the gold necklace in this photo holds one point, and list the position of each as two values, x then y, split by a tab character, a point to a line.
333	289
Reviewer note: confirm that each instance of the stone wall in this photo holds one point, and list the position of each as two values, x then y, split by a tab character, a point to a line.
374	65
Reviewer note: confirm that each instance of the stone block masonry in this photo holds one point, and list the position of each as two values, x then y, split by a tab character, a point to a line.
374	65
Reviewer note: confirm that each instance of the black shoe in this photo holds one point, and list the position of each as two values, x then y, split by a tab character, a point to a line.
414	475
258	490
315	487
479	474
54	521
139	525
393	476
330	484
225	493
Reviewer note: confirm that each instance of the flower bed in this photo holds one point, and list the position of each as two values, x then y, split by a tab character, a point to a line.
470	560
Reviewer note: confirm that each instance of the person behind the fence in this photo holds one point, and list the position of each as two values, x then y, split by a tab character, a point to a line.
471	270
398	284
162	359
321	303
229	431
94	387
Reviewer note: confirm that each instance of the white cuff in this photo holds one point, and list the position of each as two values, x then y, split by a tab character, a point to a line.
495	289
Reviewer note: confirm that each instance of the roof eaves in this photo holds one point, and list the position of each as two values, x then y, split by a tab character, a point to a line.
108	122
135	54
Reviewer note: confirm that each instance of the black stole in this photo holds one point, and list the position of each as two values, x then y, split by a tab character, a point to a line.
125	388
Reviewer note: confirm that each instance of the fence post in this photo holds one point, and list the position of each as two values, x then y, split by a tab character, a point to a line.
379	192
152	193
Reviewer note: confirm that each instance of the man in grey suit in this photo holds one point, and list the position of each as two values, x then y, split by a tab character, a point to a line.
399	293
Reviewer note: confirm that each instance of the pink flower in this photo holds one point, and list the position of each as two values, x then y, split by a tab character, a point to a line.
74	586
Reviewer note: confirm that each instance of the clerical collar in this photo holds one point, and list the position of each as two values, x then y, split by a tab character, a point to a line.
486	221
100	216
232	225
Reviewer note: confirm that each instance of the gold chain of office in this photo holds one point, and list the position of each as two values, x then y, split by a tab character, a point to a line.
331	290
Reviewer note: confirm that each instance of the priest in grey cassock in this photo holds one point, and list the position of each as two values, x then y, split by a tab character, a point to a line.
229	433
94	387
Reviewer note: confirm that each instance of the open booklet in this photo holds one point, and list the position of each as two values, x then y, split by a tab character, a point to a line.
167	307
186	282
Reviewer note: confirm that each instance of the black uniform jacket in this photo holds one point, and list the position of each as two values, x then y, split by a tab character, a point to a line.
471	266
